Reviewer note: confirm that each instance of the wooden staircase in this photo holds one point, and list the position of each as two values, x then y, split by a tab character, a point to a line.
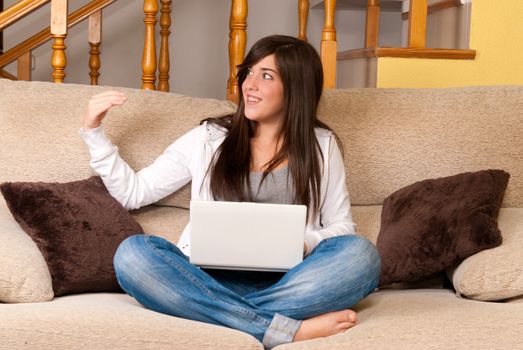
363	61
61	21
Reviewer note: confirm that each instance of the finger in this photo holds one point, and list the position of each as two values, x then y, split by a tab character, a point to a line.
108	93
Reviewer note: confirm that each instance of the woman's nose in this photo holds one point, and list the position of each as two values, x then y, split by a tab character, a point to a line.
252	83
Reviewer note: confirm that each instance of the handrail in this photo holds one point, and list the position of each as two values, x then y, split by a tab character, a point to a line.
19	10
45	35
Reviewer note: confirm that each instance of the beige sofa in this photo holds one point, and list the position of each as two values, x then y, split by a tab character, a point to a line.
391	138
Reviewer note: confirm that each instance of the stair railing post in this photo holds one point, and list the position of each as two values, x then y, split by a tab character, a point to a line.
303	15
418	23
237	43
164	62
150	8
328	46
59	33
372	25
95	39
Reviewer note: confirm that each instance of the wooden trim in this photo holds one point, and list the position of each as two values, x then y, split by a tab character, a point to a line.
372	24
437	6
45	35
407	52
95	39
417	34
303	15
19	10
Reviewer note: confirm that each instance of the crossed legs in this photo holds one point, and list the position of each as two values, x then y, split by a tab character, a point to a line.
336	275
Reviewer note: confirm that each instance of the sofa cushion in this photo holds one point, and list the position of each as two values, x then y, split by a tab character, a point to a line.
425	319
395	137
109	321
77	226
24	276
433	224
495	274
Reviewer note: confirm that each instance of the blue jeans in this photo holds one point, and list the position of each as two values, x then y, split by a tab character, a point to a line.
337	274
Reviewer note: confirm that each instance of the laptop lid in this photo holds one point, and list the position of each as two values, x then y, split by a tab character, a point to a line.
247	236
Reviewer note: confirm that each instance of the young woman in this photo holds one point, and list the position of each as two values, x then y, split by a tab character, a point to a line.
273	149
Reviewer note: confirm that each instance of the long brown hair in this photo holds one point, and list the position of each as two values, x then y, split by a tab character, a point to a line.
301	72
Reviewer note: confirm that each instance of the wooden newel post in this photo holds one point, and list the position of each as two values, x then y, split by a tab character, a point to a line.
59	33
328	46
95	36
237	43
150	8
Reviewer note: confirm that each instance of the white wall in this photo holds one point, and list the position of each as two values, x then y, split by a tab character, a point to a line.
198	42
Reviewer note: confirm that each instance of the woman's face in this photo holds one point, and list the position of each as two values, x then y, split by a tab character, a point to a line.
263	92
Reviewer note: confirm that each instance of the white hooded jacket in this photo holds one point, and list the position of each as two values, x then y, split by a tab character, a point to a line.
188	158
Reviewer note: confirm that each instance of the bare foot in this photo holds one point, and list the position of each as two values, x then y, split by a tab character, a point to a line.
326	324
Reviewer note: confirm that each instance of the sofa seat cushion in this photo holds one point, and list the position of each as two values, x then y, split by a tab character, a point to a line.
109	321
426	319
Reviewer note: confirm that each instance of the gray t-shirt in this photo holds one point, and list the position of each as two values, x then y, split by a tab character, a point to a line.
277	187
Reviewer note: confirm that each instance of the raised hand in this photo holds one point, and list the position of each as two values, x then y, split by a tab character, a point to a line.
98	107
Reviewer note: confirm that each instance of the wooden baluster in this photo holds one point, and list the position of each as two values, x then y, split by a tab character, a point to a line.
328	46
59	33
372	26
24	66
237	43
164	64
417	23
303	15
150	8
95	38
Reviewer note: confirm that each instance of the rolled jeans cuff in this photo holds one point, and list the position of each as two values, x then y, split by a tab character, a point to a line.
281	331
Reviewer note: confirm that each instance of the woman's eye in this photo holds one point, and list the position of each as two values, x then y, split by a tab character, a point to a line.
267	76
249	72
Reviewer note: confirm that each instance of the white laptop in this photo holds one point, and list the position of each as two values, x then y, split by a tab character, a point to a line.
247	236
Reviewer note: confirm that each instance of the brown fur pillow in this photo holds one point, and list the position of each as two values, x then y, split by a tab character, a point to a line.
77	226
433	224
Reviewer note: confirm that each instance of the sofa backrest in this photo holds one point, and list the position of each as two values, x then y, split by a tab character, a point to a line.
395	137
391	137
39	123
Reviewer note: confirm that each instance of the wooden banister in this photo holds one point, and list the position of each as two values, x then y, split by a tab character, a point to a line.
303	15
372	25
95	39
328	46
237	43
150	8
417	23
19	10
59	33
164	62
44	35
24	67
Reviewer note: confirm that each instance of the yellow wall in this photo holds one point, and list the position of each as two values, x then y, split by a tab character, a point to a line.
496	35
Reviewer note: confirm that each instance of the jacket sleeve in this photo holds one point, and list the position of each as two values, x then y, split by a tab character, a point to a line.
335	216
169	172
